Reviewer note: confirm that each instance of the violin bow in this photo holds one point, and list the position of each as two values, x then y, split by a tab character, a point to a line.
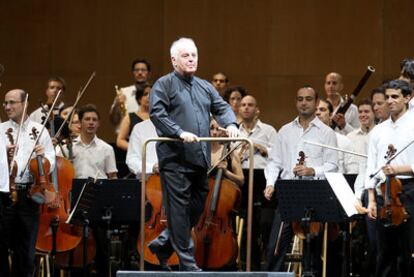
41	131
19	131
336	148
392	158
79	96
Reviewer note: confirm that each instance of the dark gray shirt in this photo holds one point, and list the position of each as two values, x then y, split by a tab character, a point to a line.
179	104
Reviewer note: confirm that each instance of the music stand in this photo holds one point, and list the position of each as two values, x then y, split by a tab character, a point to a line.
121	196
80	213
308	201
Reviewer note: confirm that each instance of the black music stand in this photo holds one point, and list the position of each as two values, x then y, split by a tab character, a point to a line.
118	204
80	215
308	201
121	196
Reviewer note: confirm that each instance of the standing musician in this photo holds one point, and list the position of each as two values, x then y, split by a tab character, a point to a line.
359	138
93	157
347	164
333	88
4	180
264	137
283	161
54	84
220	82
395	243
125	101
21	220
180	108
379	104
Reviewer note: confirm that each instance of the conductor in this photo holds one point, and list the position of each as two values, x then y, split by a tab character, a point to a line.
180	107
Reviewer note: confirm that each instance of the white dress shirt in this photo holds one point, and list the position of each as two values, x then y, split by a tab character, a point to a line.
351	119
359	139
38	115
94	159
26	146
140	133
4	166
292	140
347	163
263	134
399	133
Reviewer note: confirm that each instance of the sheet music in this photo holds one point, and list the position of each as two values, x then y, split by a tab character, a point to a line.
343	192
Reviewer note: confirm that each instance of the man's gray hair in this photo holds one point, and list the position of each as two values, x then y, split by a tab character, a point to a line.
176	45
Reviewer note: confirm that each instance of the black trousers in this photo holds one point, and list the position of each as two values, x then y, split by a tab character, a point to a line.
19	227
184	195
396	244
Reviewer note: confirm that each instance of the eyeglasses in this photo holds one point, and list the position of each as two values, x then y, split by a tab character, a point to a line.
11	103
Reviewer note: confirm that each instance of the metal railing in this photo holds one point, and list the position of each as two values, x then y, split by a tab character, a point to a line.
250	192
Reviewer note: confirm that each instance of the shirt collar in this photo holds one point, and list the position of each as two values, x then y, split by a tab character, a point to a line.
78	140
315	122
258	125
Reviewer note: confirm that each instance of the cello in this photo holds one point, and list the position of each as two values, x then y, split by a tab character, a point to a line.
392	213
214	238
156	223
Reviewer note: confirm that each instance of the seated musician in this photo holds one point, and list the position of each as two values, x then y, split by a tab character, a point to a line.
220	82
131	119
140	133
231	166
233	96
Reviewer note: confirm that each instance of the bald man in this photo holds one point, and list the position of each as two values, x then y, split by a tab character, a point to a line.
333	88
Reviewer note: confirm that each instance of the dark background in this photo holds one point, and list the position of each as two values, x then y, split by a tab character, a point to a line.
272	47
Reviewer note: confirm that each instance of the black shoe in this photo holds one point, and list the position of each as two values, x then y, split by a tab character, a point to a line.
155	248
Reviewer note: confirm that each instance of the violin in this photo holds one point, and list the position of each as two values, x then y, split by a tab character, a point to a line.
13	169
314	227
214	238
42	191
392	213
156	223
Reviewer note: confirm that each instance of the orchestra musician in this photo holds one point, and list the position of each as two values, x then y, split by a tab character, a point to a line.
180	106
54	85
264	137
125	102
333	87
21	220
396	243
220	82
283	162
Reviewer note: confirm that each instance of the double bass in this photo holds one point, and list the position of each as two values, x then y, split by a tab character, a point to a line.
214	238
